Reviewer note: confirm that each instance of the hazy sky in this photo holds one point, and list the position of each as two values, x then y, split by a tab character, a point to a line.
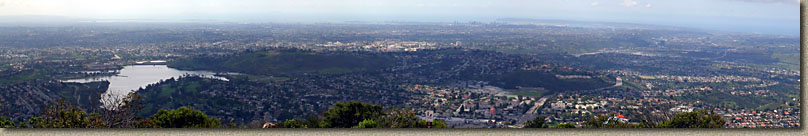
761	16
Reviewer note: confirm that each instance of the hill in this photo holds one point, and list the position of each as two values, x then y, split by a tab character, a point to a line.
286	62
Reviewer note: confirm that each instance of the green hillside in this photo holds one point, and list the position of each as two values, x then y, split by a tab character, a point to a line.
286	63
546	80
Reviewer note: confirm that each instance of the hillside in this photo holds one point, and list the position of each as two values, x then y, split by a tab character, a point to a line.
285	62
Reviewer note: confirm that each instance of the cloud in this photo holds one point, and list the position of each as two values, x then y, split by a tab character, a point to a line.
2	3
595	3
629	3
648	5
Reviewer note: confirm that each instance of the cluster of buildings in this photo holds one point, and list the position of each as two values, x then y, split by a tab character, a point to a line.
386	45
708	79
784	118
472	106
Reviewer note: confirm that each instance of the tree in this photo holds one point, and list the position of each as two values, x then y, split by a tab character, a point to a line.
439	124
606	121
372	116
315	122
4	123
121	112
402	118
368	123
295	123
537	122
183	117
63	115
696	119
565	125
346	115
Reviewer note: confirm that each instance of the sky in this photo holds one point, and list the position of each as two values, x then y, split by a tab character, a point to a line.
779	17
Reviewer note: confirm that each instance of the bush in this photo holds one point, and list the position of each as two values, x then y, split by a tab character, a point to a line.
364	116
367	124
537	122
346	115
439	124
565	125
183	117
295	123
696	119
4	123
604	121
402	119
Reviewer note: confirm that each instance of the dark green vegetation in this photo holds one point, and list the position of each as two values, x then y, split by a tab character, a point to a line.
696	119
537	122
287	62
565	125
183	117
522	78
172	93
359	115
342	115
5	123
63	115
345	115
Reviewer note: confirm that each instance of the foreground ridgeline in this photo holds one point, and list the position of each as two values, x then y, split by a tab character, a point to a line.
351	114
343	115
64	115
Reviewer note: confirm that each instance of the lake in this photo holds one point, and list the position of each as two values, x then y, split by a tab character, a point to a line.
134	77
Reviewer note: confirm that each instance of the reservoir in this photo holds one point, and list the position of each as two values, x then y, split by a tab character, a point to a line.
134	77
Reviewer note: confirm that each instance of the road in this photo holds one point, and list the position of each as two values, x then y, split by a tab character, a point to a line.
618	83
533	111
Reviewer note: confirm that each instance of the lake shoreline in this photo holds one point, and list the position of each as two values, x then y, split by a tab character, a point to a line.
130	78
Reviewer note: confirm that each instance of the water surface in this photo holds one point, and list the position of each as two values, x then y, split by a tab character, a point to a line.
134	77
